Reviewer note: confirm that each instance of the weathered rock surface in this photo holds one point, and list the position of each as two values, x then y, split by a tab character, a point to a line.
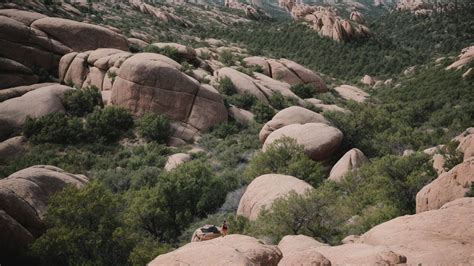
240	115
165	14
251	11
228	250
205	233
295	243
148	82
23	201
287	71
288	116
12	148
326	107
441	237
466	56
326	22
447	187
319	140
352	160
361	254
37	103
352	93
9	93
176	159
30	40
466	143
265	189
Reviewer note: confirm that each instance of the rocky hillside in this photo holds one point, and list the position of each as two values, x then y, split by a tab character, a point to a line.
130	131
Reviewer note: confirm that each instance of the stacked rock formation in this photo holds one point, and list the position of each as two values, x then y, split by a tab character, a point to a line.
147	82
30	42
326	22
251	11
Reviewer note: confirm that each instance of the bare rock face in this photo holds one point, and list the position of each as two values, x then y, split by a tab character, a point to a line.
228	250
251	11
183	51
30	40
353	159
466	143
466	56
361	254
306	257
240	115
326	22
165	14
447	187
287	71
288	116
36	103
148	82
265	189
295	243
176	159
441	237
348	92
368	80
319	140
12	148
9	93
23	201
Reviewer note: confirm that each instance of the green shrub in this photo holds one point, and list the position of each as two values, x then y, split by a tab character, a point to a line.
303	91
263	112
226	57
154	127
168	51
225	129
451	155
84	227
244	101
226	86
285	156
278	101
108	124
80	102
470	192
187	67
164	211
53	128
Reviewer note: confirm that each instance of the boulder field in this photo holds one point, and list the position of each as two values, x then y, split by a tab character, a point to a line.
23	201
30	40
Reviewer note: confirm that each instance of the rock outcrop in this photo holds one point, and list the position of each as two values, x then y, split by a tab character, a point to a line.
176	159
251	11
466	56
287	71
466	143
326	22
304	250
23	204
36	103
352	160
348	92
31	41
265	189
441	237
289	116
447	187
164	13
148	82
228	250
319	140
12	148
206	232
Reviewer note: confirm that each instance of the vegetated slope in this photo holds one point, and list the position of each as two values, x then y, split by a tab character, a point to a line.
399	40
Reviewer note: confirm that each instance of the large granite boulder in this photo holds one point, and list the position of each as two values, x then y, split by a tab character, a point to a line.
265	189
319	140
176	159
447	187
361	254
12	148
23	204
31	41
228	250
436	237
348	92
288	116
148	82
352	160
287	71
36	103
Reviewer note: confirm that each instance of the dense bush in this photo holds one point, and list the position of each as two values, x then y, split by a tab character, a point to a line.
263	112
53	128
163	211
452	155
303	91
84	227
244	101
154	127
287	157
108	124
226	87
80	102
168	51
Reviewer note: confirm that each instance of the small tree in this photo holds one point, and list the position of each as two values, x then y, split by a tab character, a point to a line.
108	124
154	127
263	112
82	101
